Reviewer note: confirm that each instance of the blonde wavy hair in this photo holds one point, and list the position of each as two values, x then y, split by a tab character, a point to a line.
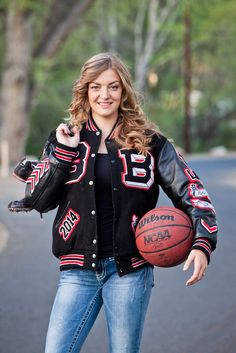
134	129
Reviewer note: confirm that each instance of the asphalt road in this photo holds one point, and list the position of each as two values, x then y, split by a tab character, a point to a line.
197	319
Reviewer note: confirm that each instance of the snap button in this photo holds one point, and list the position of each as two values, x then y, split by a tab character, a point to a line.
93	264
93	212
113	161
98	133
93	155
94	241
115	189
94	256
90	182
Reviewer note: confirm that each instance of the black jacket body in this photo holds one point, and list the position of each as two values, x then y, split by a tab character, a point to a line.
65	178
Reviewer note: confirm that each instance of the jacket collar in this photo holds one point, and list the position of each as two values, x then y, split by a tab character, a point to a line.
91	126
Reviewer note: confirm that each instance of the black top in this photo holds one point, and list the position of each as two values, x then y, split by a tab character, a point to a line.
103	193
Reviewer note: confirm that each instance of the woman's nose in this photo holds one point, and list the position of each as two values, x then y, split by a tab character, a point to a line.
104	93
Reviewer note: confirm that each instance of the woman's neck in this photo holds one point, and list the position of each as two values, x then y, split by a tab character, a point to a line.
105	124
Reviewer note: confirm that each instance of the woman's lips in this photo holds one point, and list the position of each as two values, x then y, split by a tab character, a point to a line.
104	104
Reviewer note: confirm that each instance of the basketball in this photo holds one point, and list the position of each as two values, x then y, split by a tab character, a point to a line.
164	236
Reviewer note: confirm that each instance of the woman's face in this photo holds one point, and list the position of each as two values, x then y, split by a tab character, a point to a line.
104	95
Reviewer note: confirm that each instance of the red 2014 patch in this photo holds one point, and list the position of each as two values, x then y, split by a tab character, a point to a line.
68	224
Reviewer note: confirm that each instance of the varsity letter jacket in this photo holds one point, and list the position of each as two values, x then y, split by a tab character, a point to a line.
64	178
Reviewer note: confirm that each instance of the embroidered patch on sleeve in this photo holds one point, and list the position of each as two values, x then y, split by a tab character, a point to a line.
202	204
197	192
210	229
38	172
191	175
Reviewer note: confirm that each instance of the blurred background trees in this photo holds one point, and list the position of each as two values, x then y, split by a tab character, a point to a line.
43	45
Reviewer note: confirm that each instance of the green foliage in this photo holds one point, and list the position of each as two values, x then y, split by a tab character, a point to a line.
215	74
109	25
2	40
4	4
23	5
50	109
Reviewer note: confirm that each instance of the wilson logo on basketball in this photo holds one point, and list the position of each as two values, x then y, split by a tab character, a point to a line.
154	218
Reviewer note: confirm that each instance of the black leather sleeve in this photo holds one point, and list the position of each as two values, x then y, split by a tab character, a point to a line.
44	186
185	189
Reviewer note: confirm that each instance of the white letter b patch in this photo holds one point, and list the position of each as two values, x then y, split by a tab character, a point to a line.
138	169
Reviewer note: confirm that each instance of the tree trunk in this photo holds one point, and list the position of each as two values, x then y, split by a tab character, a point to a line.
15	82
16	93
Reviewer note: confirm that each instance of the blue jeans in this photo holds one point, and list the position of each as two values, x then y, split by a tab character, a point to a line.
80	296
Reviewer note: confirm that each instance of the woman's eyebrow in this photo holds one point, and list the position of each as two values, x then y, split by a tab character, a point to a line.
111	83
99	84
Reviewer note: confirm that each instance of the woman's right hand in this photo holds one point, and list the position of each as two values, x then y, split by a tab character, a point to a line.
63	135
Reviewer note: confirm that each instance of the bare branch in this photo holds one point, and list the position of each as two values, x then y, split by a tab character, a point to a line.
113	30
108	25
57	11
138	30
62	19
152	30
148	49
145	48
168	14
171	17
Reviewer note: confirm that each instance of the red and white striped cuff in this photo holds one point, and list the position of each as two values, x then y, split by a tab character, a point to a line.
204	245
65	153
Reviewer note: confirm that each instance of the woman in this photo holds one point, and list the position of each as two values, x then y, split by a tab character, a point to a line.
104	171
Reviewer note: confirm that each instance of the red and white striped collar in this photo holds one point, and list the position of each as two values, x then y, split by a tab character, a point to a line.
91	126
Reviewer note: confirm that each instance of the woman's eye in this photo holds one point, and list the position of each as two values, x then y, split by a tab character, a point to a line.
95	88
114	88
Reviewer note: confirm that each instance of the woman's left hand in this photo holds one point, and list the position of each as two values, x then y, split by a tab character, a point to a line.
199	259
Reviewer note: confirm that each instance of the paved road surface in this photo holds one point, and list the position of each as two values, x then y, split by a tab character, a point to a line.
198	319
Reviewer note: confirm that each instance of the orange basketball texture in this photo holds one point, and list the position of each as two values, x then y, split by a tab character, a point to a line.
164	236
